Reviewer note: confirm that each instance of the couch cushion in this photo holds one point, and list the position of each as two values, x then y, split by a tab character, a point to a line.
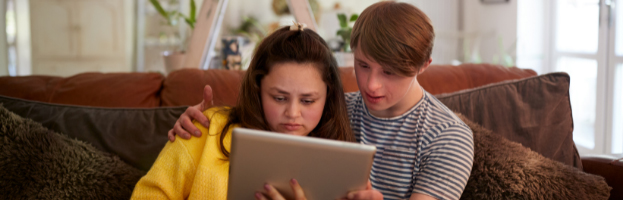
349	80
135	135
185	86
534	111
130	90
507	170
37	163
438	79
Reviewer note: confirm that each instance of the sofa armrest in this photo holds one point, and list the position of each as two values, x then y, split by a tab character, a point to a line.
608	167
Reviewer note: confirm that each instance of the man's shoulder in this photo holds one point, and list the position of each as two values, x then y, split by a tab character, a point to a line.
443	116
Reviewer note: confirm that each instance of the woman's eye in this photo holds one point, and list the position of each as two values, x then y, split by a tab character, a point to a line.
307	101
279	99
387	72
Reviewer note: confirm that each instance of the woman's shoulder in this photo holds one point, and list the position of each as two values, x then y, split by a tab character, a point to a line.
219	114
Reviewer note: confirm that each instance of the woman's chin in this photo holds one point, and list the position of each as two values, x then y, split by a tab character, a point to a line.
293	132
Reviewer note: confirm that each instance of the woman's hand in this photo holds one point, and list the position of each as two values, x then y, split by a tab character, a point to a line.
368	193
184	125
271	193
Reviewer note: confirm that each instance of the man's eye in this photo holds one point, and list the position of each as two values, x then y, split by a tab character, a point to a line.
387	72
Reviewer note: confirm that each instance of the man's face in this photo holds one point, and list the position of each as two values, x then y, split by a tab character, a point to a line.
384	93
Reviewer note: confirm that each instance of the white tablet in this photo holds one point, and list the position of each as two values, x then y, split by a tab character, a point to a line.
325	169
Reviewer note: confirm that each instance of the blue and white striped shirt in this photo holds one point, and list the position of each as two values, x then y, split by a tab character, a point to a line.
426	150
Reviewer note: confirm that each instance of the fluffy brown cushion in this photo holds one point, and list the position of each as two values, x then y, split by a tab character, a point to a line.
135	135
36	163
507	170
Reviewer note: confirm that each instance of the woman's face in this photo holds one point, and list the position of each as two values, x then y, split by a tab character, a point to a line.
293	97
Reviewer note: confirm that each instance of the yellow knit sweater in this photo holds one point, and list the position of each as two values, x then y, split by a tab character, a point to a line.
190	169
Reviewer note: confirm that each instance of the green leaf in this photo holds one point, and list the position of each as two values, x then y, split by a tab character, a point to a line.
339	32
193	13
160	10
342	18
190	22
174	14
354	17
346	34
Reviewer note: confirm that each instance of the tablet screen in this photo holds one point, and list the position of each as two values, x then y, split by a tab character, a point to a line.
325	169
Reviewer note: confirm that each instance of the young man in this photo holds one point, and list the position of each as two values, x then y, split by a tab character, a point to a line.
423	150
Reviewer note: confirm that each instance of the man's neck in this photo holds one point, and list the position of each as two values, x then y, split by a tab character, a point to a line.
411	98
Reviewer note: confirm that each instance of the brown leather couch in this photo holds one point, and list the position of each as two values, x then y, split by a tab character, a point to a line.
184	87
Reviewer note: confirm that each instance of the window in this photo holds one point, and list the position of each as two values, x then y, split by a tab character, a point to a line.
584	39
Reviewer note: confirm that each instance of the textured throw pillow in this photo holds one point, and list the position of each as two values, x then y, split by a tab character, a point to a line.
507	170
136	135
36	163
535	112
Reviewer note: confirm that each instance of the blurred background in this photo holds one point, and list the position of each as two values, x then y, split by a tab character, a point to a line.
580	37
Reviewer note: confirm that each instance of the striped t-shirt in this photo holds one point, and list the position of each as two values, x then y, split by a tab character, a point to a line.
426	150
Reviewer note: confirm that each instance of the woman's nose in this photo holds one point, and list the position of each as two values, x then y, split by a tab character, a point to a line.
293	110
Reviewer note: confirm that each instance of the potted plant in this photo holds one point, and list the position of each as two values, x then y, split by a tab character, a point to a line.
253	33
174	59
345	57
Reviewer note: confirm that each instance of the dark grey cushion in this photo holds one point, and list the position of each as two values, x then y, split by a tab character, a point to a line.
135	135
535	112
36	163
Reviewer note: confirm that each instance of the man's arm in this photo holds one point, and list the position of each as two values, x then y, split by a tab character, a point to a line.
418	196
447	164
184	125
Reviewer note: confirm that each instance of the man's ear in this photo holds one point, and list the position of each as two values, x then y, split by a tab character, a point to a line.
425	65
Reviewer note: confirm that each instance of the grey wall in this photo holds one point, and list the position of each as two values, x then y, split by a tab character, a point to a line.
491	22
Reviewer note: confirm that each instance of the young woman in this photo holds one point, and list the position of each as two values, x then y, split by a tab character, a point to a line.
424	151
286	90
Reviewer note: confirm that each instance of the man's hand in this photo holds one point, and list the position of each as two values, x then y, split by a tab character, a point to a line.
368	193
184	125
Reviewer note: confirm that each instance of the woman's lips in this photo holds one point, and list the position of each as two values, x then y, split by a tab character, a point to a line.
292	127
373	99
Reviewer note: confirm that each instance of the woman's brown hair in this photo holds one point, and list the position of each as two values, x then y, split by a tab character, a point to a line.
285	45
398	36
